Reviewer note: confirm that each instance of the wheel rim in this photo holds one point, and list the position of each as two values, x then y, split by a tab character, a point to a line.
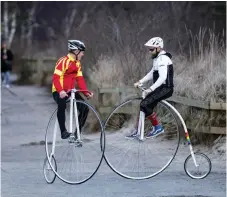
47	170
120	154
75	165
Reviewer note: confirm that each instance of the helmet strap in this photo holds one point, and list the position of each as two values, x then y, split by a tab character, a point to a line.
76	54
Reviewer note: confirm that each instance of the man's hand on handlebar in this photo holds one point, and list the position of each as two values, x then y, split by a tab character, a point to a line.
89	95
148	91
138	84
63	94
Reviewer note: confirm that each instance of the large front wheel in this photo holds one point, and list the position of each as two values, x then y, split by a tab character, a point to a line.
135	158
76	163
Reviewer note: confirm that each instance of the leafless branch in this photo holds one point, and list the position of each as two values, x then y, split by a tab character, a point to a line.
83	21
69	21
12	28
31	17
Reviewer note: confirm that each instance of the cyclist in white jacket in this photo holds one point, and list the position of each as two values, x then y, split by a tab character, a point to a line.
162	88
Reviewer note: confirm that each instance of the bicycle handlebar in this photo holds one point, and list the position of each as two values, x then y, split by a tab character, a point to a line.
141	87
77	90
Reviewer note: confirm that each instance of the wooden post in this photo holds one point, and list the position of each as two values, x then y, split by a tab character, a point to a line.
39	70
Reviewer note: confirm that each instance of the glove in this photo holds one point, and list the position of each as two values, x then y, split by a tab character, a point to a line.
63	94
137	84
148	91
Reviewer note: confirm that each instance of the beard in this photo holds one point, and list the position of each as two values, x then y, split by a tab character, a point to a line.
154	55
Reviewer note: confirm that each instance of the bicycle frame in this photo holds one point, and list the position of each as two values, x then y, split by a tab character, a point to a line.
142	118
54	137
185	130
73	104
73	107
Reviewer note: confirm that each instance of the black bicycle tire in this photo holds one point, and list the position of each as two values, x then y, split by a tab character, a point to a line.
205	156
46	160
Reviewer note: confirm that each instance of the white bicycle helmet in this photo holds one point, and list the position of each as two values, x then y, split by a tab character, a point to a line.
155	42
76	45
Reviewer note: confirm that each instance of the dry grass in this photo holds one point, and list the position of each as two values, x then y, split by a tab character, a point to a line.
202	76
107	73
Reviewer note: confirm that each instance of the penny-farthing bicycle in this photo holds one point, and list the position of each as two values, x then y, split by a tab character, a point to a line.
141	158
74	160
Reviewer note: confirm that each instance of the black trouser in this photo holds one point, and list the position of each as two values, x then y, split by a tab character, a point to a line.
148	104
83	110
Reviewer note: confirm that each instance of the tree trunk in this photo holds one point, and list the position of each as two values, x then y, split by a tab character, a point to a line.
6	19
12	29
31	23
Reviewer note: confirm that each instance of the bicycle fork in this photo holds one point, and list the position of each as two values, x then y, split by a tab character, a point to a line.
77	122
141	122
73	107
186	134
71	113
54	137
141	125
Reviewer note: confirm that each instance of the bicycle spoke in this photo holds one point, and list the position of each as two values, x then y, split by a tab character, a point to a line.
138	159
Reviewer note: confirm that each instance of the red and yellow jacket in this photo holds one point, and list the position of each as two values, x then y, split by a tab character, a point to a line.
67	72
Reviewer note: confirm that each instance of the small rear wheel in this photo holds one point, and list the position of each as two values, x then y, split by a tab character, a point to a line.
202	169
49	174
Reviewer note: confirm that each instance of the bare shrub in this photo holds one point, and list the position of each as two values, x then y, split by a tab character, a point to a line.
203	75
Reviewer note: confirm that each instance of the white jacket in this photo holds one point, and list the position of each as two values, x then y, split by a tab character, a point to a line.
160	64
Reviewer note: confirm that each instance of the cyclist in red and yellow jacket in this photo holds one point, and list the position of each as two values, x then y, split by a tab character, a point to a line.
68	72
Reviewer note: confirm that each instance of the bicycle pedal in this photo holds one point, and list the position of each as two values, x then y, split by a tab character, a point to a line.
71	139
141	140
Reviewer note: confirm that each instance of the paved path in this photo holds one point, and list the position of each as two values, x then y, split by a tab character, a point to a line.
24	116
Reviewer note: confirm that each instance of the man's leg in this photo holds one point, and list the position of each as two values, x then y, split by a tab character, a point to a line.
134	133
61	114
3	78
148	104
7	79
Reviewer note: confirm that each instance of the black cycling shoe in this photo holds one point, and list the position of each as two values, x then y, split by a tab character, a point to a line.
65	135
